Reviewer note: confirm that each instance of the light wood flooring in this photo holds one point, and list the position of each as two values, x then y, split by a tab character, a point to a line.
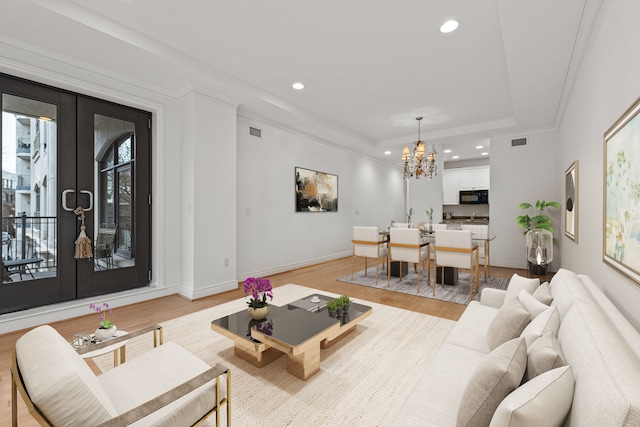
321	276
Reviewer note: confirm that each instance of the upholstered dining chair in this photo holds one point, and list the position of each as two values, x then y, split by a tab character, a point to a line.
483	249
454	248
406	245
368	243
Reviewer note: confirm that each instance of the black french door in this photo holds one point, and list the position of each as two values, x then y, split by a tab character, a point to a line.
60	152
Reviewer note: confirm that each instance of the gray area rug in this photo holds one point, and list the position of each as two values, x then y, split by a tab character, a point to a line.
364	378
458	293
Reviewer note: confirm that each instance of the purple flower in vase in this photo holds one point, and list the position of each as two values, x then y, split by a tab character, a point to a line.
260	289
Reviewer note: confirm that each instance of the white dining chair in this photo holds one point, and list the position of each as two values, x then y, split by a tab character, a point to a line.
368	243
406	245
454	248
481	230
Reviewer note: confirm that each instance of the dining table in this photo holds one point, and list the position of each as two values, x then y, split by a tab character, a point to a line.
481	238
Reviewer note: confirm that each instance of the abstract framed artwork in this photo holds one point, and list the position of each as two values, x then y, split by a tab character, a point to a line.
621	231
316	191
571	202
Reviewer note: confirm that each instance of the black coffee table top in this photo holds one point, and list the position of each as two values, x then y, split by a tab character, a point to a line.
292	324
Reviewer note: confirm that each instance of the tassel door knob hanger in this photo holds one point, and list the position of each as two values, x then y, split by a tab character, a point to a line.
83	243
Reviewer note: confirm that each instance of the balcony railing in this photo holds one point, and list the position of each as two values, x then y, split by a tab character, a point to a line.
27	237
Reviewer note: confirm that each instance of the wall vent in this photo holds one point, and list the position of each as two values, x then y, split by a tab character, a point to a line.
519	141
255	132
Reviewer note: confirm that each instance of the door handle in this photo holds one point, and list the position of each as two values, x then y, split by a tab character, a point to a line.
64	200
68	191
90	199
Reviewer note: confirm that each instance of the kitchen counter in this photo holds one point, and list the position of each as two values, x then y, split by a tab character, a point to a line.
466	220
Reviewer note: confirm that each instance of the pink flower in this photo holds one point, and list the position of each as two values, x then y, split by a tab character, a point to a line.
260	289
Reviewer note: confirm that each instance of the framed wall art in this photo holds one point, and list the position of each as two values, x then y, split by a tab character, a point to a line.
621	240
316	191
571	202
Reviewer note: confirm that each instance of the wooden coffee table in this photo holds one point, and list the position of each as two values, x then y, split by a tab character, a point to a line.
298	330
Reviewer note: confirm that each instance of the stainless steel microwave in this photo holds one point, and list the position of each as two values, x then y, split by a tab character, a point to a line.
474	197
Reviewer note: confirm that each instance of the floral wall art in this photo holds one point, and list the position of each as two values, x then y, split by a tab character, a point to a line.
622	194
316	191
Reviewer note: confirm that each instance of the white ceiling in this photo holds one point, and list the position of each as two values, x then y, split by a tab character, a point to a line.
369	67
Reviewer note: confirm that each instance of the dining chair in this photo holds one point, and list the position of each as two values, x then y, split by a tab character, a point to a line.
406	245
454	248
483	249
368	243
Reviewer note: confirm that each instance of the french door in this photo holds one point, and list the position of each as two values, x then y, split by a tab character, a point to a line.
69	160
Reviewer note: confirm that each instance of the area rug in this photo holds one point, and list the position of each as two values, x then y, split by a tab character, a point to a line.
458	293
363	378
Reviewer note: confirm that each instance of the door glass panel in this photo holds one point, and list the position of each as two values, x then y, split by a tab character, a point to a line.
29	176
114	141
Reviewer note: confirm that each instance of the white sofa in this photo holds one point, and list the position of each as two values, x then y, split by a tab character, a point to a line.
599	345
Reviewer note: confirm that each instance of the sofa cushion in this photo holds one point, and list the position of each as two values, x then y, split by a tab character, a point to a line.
531	304
543	293
499	373
547	321
543	355
471	329
517	283
543	401
567	288
156	372
59	381
508	323
607	373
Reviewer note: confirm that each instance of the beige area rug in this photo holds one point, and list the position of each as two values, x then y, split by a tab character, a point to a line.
458	293
363	379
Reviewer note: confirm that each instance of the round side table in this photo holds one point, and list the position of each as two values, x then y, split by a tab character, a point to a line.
119	350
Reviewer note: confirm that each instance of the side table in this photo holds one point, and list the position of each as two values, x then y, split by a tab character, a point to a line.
118	348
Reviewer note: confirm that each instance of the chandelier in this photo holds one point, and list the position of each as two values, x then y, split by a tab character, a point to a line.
422	162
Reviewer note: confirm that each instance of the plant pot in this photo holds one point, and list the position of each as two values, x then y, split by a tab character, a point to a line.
102	334
340	310
258	313
345	307
332	313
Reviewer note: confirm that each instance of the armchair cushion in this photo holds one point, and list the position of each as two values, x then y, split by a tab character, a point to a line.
59	381
158	371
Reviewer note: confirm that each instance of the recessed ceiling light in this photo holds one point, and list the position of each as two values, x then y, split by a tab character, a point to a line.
447	151
484	154
479	147
455	157
449	26
298	86
387	152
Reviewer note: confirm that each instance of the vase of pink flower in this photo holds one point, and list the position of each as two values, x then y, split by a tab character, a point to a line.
107	329
258	289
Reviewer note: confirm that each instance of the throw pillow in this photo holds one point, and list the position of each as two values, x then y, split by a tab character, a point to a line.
517	283
532	305
497	375
543	293
543	401
543	355
547	321
508	323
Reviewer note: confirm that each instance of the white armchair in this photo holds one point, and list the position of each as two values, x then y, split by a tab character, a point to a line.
166	386
454	248
368	243
406	245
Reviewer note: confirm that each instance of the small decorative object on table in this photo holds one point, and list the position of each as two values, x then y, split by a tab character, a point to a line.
260	289
332	307
346	301
430	215
107	329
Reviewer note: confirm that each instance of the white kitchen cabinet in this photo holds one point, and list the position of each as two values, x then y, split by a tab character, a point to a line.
450	187
454	180
474	178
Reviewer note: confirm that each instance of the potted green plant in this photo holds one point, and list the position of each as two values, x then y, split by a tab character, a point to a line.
332	308
537	219
409	215
430	215
346	302
339	306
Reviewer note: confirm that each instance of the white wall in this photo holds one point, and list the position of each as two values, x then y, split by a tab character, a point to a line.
271	236
523	174
606	86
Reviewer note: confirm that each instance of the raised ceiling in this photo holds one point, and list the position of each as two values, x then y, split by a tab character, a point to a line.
369	67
